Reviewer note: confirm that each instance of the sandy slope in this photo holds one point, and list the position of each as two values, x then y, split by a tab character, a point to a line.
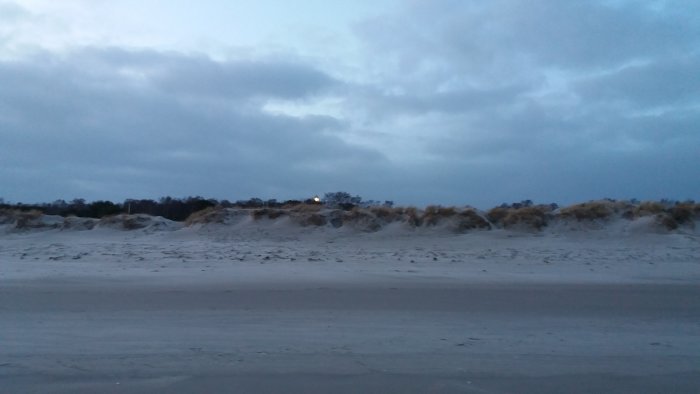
276	309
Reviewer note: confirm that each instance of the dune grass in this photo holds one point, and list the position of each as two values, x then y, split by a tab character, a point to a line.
536	217
671	215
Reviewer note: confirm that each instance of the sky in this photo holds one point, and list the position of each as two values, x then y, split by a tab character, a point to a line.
452	102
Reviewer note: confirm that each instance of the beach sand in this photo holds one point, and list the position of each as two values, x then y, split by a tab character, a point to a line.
265	311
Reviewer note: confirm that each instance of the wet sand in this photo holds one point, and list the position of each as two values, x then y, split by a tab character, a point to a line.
84	335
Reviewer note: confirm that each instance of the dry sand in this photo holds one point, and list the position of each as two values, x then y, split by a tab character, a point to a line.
270	310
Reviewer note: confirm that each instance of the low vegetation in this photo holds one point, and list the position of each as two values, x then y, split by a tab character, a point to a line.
341	209
594	210
522	215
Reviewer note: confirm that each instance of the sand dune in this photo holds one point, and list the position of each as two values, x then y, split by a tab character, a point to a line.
618	217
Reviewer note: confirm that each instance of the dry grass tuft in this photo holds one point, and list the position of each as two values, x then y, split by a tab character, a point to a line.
471	220
648	208
78	223
434	214
667	221
536	216
313	219
270	213
498	214
27	219
593	210
679	214
684	212
361	218
7	216
127	222
412	216
301	208
206	216
386	214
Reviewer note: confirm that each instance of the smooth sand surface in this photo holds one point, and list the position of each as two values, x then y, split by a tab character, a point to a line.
188	314
106	337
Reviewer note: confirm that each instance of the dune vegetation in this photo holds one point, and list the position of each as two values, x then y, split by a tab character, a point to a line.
340	210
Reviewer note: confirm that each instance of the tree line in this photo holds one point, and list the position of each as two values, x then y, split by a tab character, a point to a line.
177	209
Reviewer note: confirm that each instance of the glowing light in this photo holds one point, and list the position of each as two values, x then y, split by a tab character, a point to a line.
317	199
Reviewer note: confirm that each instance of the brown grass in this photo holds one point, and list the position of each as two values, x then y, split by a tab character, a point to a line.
593	210
684	212
133	222
313	219
648	208
679	214
300	208
434	214
667	221
26	219
270	213
362	218
7	216
386	214
412	216
206	216
127	222
470	220
74	222
498	214
536	216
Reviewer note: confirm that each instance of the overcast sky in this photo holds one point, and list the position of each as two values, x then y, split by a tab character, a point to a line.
436	101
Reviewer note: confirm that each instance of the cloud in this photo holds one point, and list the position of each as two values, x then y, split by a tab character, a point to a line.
288	81
10	12
440	101
665	82
106	132
547	98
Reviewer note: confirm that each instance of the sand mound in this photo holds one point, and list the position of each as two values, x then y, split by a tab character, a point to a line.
14	220
138	222
78	223
616	216
358	219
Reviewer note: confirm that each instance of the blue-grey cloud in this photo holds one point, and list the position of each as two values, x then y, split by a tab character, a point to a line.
520	99
454	102
12	12
668	81
85	123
